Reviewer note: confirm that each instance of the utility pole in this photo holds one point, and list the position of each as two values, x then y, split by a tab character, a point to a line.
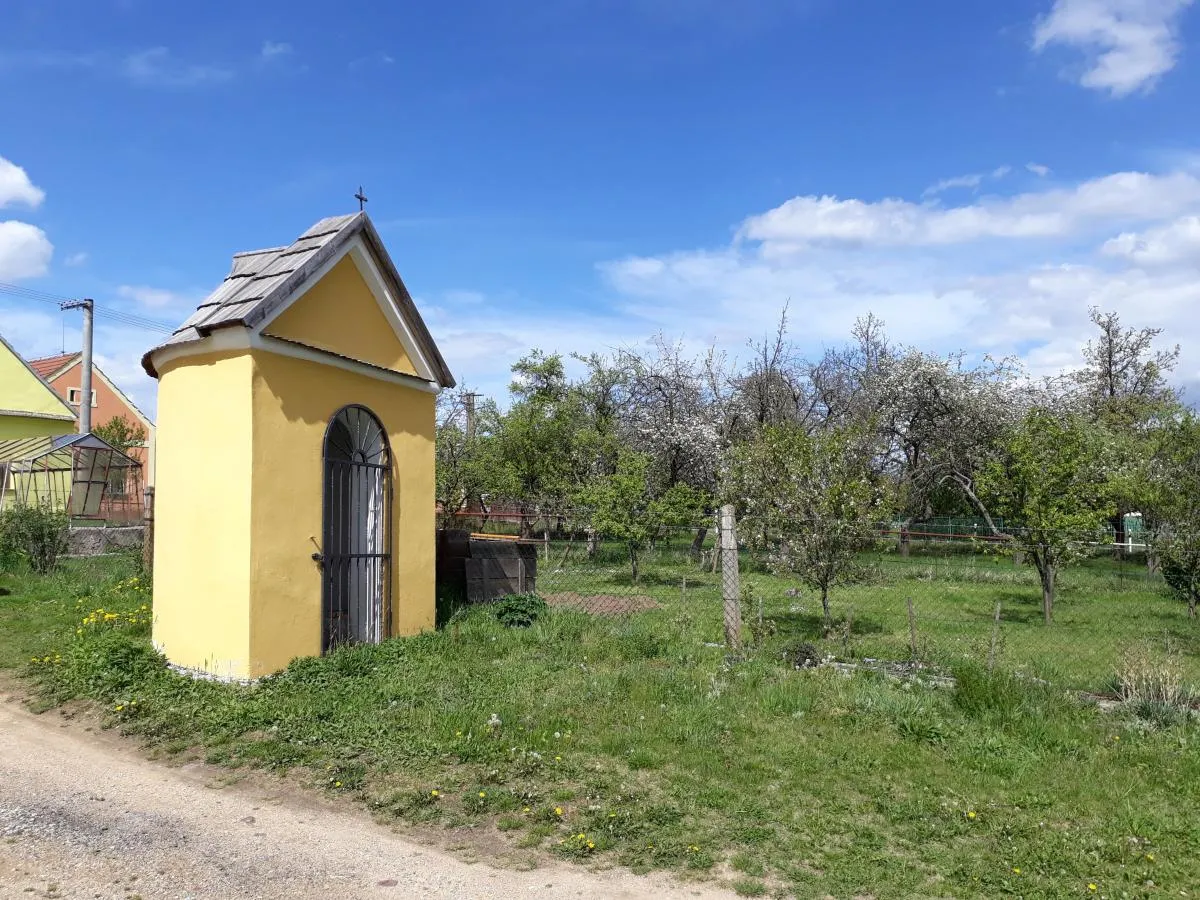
469	405
85	379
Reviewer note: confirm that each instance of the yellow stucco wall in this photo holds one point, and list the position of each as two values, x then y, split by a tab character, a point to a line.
293	403
12	427
202	513
340	314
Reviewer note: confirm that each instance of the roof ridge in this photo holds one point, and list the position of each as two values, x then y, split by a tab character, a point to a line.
242	253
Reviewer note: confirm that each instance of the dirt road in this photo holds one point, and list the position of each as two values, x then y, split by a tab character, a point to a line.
83	816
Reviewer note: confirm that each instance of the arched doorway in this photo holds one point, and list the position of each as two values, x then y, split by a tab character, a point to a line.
356	558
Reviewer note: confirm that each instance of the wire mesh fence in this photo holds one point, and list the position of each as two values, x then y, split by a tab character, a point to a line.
918	601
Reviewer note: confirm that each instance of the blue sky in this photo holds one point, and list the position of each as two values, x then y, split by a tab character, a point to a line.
582	174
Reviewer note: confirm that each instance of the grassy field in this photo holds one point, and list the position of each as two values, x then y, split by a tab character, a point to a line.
1104	609
631	740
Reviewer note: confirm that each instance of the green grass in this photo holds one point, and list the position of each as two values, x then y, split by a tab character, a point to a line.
635	733
1104	608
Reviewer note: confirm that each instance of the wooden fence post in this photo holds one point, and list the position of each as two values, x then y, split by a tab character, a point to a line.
991	665
731	588
148	530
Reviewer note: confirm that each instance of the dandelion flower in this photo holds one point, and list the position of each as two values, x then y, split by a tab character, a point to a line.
1092	888
1149	857
337	784
121	707
1016	870
558	810
435	793
483	793
971	814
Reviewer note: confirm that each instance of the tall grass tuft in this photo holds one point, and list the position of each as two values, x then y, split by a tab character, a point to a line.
1145	676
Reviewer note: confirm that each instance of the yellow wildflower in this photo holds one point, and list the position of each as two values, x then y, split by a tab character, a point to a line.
483	793
558	810
971	814
1092	888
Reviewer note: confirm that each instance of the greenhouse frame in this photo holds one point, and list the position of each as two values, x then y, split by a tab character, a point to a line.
81	475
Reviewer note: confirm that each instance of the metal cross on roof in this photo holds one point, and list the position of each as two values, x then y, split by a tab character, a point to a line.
361	198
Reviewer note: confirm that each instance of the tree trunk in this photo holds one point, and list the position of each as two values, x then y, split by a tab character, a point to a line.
698	542
526	526
1119	536
1046	570
904	540
633	561
593	542
825	609
1193	598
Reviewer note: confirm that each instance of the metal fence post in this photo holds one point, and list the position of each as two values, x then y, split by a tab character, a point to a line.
731	588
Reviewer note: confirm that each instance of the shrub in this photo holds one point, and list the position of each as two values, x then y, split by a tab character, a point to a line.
37	533
519	610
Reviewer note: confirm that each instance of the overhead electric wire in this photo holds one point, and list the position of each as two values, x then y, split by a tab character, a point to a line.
115	315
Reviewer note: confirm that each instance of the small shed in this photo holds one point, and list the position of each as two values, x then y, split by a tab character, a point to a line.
79	474
294	507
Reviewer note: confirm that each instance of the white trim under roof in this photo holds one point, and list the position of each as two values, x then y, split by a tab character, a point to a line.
236	338
25	414
365	263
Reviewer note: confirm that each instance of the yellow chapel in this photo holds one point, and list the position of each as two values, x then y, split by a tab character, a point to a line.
294	507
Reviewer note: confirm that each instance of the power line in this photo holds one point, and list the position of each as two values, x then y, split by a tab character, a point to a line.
124	318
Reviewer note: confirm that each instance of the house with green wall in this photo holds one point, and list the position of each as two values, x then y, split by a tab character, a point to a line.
28	406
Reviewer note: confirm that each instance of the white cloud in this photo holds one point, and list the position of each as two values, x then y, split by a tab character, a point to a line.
1037	169
272	50
76	259
151	297
971	182
1178	242
1000	294
949	184
25	251
15	187
1128	44
804	222
157	67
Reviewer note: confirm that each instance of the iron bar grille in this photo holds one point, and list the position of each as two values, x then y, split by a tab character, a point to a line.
356	557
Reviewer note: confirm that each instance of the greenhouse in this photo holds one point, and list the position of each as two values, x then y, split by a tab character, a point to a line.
79	474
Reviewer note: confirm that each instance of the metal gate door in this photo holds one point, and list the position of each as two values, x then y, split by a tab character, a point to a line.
355	558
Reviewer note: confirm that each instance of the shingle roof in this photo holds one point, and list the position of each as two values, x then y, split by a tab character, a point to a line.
48	365
260	281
